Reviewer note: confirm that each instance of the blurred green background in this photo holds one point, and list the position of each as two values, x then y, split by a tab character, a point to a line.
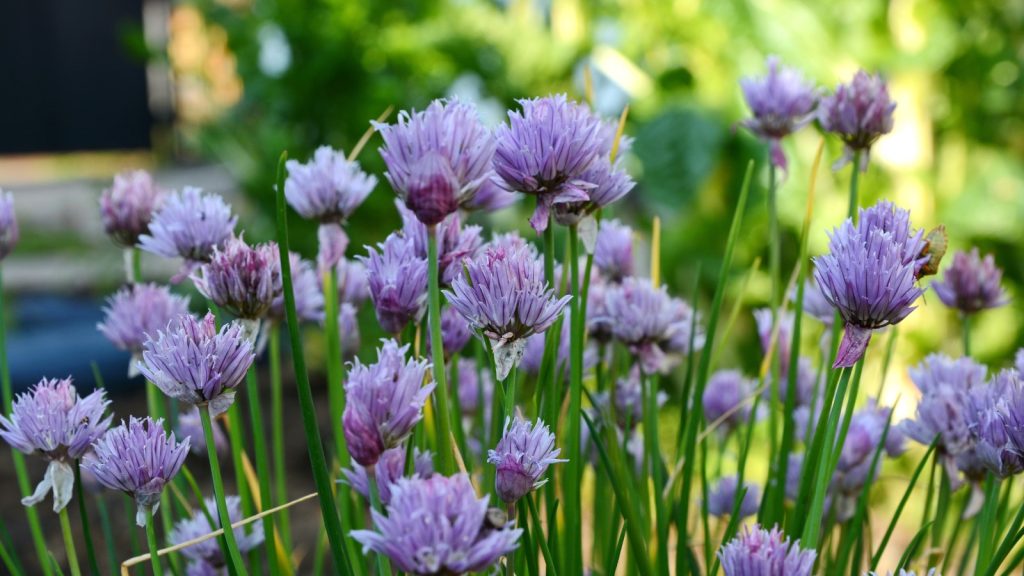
256	77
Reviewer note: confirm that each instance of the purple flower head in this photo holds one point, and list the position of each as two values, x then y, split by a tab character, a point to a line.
398	282
723	496
194	363
242	279
997	424
972	283
613	254
438	158
815	302
190	426
758	552
725	398
209	552
437	525
490	197
139	459
521	457
628	399
945	408
127	208
870	275
189	225
332	242
455	242
455	333
388	469
51	419
138	311
783	340
309	298
348	325
384	401
328	188
607	177
859	113
781	102
862	441
533	354
476	389
504	297
8	224
546	148
655	326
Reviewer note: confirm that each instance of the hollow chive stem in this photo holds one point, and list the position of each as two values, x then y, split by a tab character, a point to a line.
231	554
83	514
69	543
442	421
571	480
317	460
154	558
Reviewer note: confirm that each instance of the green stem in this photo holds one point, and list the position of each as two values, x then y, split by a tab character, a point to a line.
231	555
318	462
774	240
335	367
965	322
854	182
383	564
510	561
38	539
154	558
83	514
277	433
824	472
571	480
442	420
259	439
538	535
653	449
69	542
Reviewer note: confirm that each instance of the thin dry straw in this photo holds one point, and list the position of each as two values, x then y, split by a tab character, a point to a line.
365	138
127	564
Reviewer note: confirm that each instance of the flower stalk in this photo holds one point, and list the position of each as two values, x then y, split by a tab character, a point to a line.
442	421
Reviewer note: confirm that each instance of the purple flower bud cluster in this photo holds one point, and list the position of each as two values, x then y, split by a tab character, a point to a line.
139	459
722	497
613	254
138	311
328	188
996	423
870	275
397	281
8	224
545	151
781	102
127	208
195	363
437	159
759	552
655	326
52	420
727	399
455	333
521	457
972	283
455	243
207	557
504	296
242	279
437	525
859	113
607	176
387	471
383	402
189	225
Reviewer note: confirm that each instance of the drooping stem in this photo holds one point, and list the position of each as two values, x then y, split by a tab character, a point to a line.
442	421
38	540
83	514
277	432
332	522
154	558
571	480
69	543
231	554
